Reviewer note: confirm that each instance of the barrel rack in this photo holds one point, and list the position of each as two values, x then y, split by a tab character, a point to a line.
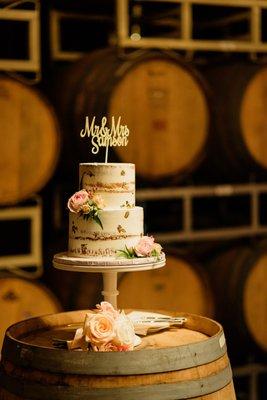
188	194
129	33
30	211
253	371
14	11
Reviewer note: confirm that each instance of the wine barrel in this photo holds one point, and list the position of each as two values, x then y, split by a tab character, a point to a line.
238	147
180	285
239	280
154	93
188	362
29	141
20	299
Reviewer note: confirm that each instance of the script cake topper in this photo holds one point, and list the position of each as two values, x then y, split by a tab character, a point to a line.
103	136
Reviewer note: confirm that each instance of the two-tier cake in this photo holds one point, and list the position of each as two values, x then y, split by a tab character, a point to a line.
103	218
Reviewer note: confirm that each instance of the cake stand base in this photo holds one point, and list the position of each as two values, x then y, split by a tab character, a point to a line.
109	267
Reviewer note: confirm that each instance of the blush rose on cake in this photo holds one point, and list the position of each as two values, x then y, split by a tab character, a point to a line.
146	247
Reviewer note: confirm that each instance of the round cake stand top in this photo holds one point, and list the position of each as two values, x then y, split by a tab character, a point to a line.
107	264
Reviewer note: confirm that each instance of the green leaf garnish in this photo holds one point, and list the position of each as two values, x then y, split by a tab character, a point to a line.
98	221
127	253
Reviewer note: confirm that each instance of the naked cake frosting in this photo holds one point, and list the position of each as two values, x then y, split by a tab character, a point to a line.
103	218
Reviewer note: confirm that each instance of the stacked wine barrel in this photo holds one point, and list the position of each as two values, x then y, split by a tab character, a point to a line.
188	362
21	299
155	94
29	141
181	285
239	280
180	116
237	149
29	149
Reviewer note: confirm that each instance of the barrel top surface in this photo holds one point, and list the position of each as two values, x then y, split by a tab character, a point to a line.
29	141
30	343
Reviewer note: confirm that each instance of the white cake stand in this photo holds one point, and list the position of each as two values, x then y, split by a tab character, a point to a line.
109	267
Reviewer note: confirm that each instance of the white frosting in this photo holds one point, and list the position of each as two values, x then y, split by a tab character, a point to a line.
121	227
115	182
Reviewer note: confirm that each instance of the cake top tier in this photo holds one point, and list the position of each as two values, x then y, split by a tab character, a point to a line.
115	182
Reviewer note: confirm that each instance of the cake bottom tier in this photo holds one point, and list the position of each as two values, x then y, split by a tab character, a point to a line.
121	227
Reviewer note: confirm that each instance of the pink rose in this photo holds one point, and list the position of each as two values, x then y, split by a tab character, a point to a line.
144	246
76	201
99	328
107	308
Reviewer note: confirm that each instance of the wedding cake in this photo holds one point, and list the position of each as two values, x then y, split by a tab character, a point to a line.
103	218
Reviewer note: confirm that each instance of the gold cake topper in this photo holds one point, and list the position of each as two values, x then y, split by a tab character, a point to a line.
104	136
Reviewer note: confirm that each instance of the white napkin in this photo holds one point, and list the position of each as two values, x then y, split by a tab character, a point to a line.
143	327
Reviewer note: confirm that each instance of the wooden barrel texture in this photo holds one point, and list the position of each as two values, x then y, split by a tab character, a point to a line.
29	141
21	299
238	145
239	281
182	363
155	94
180	285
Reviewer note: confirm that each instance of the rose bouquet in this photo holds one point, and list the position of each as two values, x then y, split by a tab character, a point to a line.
146	247
104	329
87	204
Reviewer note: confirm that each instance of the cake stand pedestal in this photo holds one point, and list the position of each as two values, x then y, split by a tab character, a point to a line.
109	267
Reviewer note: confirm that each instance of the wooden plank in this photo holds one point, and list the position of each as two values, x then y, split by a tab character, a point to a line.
255	25
122	19
35	40
18	15
206	45
186	21
227	233
195	191
19	65
234	3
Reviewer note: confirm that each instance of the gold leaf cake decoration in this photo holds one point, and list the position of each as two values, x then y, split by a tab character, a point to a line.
121	229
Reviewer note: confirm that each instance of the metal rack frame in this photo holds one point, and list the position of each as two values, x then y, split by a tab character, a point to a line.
55	43
32	64
33	213
187	42
252	371
187	194
56	17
